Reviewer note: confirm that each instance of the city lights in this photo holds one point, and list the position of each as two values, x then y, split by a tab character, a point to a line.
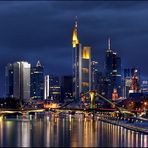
71	81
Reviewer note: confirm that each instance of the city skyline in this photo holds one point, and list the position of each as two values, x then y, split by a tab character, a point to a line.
37	35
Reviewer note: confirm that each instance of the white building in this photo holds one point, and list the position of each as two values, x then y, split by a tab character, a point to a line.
21	79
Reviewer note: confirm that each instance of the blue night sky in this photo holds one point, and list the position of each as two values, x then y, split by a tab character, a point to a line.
42	31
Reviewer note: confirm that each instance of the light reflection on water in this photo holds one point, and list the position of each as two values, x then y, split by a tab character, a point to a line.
49	131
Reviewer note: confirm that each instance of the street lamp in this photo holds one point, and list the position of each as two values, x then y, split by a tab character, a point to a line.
1	106
145	104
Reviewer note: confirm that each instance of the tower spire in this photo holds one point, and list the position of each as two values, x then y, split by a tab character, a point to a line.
109	44
38	63
76	23
75	40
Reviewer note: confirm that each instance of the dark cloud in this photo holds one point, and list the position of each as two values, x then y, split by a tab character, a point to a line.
32	30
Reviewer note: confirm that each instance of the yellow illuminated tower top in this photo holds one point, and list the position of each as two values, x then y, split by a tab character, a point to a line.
75	40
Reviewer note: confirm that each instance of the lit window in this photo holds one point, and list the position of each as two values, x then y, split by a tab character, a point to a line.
85	70
85	84
86	52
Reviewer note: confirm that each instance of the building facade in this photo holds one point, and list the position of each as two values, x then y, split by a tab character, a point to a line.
46	87
94	76
127	80
54	88
135	87
66	88
144	87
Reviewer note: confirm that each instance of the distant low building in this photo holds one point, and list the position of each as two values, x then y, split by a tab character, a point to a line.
126	82
115	96
9	80
144	87
129	80
135	89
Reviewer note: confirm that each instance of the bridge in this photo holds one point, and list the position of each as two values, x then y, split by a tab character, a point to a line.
92	96
23	112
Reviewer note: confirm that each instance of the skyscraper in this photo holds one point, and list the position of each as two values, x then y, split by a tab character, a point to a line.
37	81
113	71
21	78
81	66
9	80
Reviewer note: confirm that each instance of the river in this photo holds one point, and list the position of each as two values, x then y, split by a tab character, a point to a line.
46	130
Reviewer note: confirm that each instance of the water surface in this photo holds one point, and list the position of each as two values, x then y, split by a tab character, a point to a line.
50	131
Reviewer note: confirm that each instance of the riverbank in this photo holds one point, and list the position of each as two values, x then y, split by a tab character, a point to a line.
124	124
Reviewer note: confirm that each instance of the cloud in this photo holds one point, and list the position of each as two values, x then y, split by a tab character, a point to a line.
43	30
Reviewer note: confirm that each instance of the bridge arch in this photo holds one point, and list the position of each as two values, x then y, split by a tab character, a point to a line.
93	94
